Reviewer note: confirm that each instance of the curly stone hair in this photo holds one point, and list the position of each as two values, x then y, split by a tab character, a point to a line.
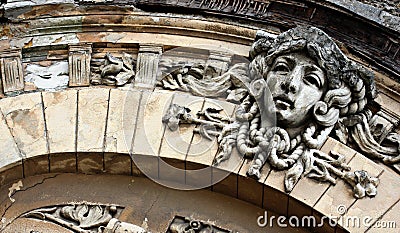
351	86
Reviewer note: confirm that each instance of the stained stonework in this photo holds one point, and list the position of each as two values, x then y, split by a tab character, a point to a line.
248	99
75	208
307	103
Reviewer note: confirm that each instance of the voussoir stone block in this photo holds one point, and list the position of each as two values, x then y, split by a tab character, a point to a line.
389	221
149	127
9	153
60	113
92	114
24	116
121	121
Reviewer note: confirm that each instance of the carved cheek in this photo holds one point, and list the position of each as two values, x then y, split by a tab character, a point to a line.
306	98
273	81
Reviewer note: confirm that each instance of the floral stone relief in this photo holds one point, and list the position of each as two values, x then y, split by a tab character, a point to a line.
298	89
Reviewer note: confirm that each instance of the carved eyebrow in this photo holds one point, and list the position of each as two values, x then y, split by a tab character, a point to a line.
316	69
289	60
313	67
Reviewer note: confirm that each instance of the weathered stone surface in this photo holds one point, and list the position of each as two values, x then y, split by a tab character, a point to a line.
140	199
149	127
120	164
52	77
298	208
9	153
202	43
228	185
9	176
60	112
388	222
121	121
23	3
203	150
275	197
225	176
24	116
275	200
249	189
175	144
36	165
63	162
92	116
90	162
383	12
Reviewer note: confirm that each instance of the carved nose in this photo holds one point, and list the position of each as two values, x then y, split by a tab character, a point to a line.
292	82
288	87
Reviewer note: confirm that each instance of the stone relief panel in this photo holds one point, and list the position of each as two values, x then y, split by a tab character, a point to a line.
297	90
209	77
86	218
99	218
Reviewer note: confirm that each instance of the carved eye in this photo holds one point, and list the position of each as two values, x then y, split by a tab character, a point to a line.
281	67
313	79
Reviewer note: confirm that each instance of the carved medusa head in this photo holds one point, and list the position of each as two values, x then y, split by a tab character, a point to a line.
309	84
296	89
309	76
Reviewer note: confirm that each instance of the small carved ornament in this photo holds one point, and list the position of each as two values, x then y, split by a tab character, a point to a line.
113	71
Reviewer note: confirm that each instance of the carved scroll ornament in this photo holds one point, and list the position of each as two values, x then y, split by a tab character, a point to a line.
305	81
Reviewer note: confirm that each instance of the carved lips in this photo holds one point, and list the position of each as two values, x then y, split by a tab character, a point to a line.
283	102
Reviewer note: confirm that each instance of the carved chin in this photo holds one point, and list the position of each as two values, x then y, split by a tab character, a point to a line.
286	118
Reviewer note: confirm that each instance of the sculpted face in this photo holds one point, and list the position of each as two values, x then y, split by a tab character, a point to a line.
296	84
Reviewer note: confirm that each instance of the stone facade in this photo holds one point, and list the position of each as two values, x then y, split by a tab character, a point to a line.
291	107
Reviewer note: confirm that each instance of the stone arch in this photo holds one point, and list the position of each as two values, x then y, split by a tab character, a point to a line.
77	129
